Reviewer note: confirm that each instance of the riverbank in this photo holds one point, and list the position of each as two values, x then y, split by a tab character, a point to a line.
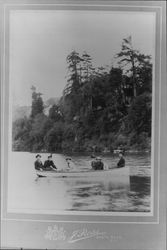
89	153
102	145
141	143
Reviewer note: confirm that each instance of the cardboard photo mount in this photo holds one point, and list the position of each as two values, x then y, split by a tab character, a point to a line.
80	231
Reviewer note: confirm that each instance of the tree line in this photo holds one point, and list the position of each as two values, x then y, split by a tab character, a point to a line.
100	108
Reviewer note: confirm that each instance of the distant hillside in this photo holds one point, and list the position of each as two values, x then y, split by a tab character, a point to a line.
51	101
25	111
20	112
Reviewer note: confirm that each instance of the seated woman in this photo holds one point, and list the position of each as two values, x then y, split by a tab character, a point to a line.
70	164
49	164
97	164
38	163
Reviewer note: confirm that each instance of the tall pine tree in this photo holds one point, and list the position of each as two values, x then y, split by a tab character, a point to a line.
131	60
37	103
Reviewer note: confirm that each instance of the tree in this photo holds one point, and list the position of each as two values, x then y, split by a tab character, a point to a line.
138	119
55	113
131	60
144	79
72	95
40	126
74	65
37	103
54	136
21	134
87	67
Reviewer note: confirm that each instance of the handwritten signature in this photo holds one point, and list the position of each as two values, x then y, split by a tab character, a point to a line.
82	234
59	234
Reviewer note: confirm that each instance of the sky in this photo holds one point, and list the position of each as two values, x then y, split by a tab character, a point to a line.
40	41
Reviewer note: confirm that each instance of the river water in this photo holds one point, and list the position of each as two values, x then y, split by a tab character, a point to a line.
29	193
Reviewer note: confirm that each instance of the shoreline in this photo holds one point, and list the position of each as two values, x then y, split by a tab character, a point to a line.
87	153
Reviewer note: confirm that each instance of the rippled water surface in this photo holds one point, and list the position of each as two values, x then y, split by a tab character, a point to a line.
27	192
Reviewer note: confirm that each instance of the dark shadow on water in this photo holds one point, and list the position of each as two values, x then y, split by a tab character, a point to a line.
140	185
110	197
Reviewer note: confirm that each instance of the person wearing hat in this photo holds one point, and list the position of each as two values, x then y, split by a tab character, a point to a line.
68	160
97	164
121	162
38	163
70	164
49	164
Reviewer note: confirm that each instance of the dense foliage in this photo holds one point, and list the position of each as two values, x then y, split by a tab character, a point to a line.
99	110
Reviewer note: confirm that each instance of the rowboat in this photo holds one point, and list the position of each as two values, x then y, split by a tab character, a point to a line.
115	173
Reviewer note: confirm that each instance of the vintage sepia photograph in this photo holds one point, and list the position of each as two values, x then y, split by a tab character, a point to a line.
81	96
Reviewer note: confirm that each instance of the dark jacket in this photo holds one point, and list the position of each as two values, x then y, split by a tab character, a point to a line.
97	165
38	165
121	163
48	164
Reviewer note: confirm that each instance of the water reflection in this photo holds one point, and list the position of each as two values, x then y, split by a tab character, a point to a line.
82	194
109	196
140	185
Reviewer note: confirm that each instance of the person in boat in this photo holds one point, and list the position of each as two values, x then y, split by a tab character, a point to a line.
70	164
97	164
49	164
121	162
38	163
68	160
